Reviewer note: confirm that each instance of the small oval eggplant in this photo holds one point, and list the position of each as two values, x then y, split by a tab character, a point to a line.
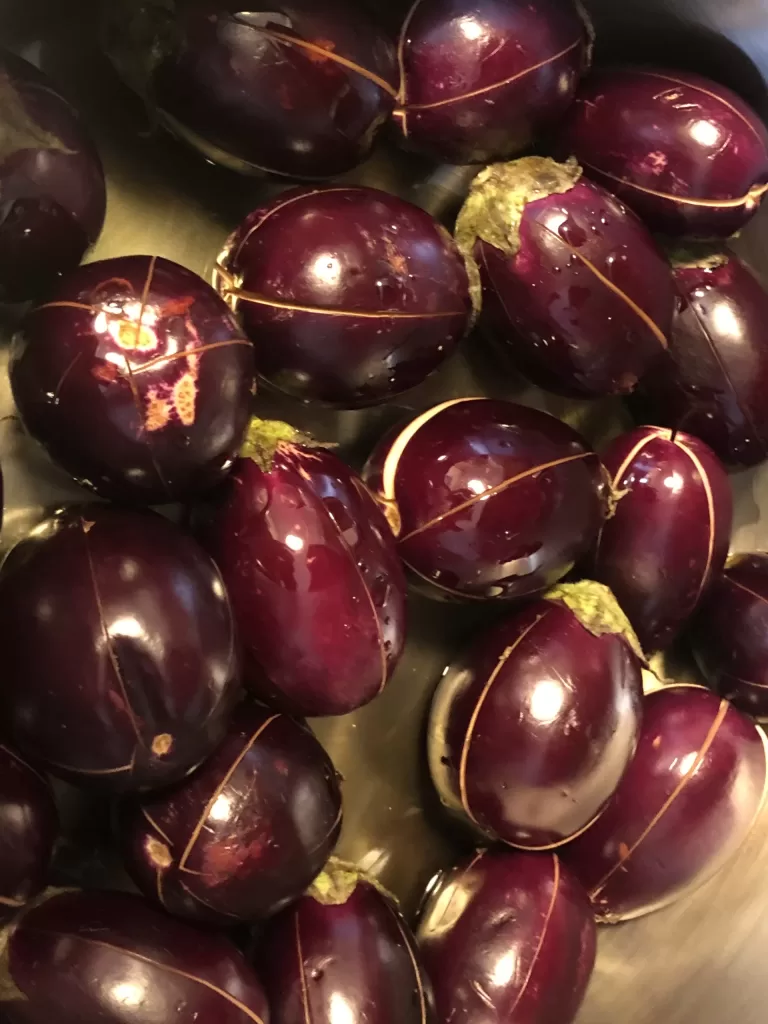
574	289
507	937
296	89
120	662
668	536
136	379
51	183
351	295
29	826
109	957
532	729
686	803
246	833
686	153
312	572
344	943
482	80
487	498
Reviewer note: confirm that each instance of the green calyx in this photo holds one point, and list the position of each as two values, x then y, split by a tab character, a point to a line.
597	610
701	255
337	882
264	437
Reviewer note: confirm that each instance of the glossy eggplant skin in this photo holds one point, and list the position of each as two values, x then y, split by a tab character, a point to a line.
686	153
110	957
668	537
292	87
51	182
120	655
136	379
686	803
29	825
434	477
481	81
246	833
314	274
510	937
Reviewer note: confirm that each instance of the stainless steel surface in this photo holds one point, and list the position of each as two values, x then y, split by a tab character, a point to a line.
701	961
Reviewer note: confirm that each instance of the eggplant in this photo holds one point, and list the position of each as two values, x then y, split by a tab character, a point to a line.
246	833
120	662
686	153
136	379
312	572
77	957
574	291
481	81
507	937
350	295
668	536
488	499
344	944
51	183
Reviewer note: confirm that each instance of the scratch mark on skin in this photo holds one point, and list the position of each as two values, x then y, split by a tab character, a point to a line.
302	974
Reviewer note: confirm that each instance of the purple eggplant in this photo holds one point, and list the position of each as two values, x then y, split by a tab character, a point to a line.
668	536
481	81
507	937
246	833
574	290
29	826
686	803
343	944
350	295
289	87
533	727
52	192
312	572
120	662
487	498
136	379
686	153
82	957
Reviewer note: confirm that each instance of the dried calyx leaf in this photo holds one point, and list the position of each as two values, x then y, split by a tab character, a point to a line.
264	437
337	882
597	610
704	255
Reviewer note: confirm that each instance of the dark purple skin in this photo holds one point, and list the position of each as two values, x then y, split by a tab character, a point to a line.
433	477
344	943
350	294
52	192
246	833
29	826
533	727
110	957
507	937
668	537
482	80
686	803
312	571
686	153
289	87
120	663
135	377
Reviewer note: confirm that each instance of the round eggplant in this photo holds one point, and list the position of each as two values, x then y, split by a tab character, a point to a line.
136	379
685	804
109	957
351	295
293	88
507	937
668	536
312	572
532	729
482	80
487	498
344	943
573	288
51	183
246	833
686	153
29	826
120	662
